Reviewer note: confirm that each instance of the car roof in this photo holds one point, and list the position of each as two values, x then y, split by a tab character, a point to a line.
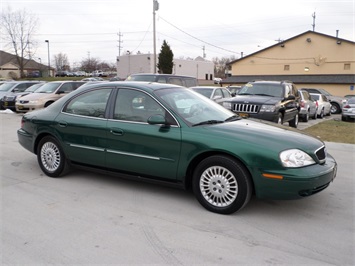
144	85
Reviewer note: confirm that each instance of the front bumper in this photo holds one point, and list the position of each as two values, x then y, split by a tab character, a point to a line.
297	182
26	107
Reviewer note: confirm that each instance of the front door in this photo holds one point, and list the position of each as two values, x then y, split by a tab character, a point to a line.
133	145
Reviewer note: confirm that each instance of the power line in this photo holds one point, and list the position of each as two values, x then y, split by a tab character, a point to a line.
215	46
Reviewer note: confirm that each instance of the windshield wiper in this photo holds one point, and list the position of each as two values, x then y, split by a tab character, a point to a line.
263	94
232	118
208	122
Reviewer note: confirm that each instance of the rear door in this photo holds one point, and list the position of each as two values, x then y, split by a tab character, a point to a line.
83	127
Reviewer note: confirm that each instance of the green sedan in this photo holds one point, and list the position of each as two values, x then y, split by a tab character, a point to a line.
173	135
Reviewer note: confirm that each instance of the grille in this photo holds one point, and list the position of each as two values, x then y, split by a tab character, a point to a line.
321	154
246	108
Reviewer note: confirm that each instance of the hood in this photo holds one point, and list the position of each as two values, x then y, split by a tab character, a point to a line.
35	96
262	134
255	99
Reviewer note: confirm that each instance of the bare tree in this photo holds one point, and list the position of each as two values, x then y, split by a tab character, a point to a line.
220	65
61	62
19	28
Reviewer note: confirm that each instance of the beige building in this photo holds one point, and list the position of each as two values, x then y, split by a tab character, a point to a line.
310	60
9	68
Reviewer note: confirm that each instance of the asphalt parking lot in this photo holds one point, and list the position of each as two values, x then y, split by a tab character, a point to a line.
91	219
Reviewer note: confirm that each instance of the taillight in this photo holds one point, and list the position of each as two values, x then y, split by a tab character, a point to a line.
302	104
347	106
317	103
22	122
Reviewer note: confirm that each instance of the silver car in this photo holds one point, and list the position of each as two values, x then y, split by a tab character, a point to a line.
308	107
348	110
324	105
217	94
335	101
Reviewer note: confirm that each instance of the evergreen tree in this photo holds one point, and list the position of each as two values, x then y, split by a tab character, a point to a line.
165	59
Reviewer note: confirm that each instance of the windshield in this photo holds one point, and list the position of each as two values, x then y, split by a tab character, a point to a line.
205	91
34	87
6	86
273	90
193	107
48	88
325	92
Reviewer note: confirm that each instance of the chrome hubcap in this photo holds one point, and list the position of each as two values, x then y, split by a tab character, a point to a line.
50	156
219	186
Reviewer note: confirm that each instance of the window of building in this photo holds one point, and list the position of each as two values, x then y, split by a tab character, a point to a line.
346	66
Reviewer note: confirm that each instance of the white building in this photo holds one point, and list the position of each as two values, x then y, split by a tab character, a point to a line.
143	63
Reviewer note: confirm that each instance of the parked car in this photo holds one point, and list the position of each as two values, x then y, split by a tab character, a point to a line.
335	101
348	110
46	95
185	81
9	100
308	106
63	74
324	105
217	94
234	90
348	96
172	135
14	87
276	101
217	80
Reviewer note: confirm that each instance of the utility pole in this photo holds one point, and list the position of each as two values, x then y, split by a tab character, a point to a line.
155	8
119	43
314	20
204	54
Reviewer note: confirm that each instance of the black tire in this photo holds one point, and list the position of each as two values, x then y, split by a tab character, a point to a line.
51	158
280	119
222	184
294	122
335	108
306	117
315	115
321	115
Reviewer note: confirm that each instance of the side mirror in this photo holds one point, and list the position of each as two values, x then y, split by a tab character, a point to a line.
217	97
157	120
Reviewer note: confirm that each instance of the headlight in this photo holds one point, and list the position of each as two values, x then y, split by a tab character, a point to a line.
227	105
267	108
295	158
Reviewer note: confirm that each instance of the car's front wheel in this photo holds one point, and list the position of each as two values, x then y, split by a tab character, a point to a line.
335	108
51	158
222	184
294	122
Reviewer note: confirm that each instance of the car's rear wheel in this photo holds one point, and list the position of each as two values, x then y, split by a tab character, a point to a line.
321	115
51	158
222	184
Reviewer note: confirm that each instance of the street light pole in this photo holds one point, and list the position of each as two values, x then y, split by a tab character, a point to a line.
155	8
49	64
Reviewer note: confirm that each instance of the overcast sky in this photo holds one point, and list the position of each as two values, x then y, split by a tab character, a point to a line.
224	28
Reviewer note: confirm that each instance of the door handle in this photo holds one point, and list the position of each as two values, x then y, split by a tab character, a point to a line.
63	124
116	131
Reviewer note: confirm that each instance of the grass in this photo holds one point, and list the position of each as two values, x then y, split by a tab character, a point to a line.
334	131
